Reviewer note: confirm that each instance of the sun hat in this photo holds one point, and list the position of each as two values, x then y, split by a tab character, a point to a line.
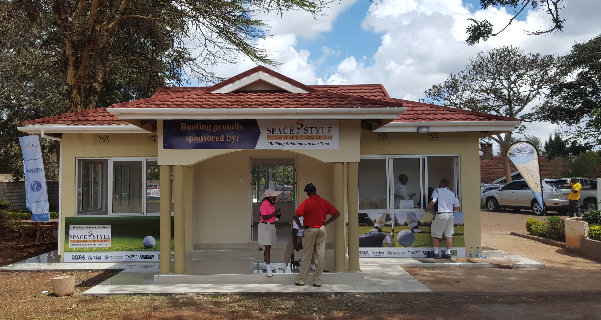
271	193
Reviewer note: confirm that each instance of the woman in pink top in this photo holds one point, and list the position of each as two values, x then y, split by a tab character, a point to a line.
267	235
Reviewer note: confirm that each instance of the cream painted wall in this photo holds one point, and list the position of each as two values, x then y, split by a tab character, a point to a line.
222	193
350	131
76	145
464	144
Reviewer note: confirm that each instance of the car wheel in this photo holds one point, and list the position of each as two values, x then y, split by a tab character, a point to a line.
536	208
590	205
492	204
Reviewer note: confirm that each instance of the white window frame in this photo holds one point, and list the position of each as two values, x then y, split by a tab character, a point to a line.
423	178
110	182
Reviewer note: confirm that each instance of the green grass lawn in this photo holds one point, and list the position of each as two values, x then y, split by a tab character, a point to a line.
422	239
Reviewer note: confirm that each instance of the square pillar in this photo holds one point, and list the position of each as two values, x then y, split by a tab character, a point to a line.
339	225
179	222
165	220
353	216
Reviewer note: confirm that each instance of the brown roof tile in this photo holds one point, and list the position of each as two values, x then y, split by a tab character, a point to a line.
97	116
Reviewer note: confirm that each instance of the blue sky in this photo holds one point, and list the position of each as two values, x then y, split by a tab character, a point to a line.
407	45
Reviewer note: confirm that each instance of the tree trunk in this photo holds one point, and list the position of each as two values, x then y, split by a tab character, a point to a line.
506	164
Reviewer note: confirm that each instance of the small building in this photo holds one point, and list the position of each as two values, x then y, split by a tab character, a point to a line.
190	165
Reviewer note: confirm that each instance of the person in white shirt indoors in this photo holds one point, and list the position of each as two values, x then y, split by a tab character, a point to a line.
442	223
403	192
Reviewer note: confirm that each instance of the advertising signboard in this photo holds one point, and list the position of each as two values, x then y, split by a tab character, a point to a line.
388	235
36	193
112	239
251	134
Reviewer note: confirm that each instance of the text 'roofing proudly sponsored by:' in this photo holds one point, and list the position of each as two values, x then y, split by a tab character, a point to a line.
251	134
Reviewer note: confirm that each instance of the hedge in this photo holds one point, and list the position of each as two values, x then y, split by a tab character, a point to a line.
7	215
553	228
592	217
4	205
594	232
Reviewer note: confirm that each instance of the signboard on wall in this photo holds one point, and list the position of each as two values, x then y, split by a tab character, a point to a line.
112	239
89	236
251	134
404	235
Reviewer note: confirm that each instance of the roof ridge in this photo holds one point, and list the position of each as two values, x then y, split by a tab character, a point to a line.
255	70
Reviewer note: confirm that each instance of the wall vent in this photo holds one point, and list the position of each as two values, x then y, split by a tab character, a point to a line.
103	138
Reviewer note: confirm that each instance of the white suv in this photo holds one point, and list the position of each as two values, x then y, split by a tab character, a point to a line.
517	195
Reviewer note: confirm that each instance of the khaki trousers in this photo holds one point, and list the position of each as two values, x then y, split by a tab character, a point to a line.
290	250
314	241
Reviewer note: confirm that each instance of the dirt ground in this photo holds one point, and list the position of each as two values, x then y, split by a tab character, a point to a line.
567	289
564	272
11	252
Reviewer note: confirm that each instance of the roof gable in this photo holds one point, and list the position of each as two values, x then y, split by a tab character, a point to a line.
259	78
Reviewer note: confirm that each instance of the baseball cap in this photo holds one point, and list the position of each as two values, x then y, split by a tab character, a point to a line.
310	188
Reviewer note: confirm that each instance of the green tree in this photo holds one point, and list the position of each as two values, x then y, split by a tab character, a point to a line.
576	101
502	82
585	164
482	30
556	147
96	39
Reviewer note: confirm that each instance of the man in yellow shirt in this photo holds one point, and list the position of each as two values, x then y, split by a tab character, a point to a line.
573	197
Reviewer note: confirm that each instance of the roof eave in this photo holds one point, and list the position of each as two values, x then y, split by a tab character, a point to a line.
451	126
67	128
257	113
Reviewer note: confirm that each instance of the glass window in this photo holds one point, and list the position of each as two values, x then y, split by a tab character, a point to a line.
406	182
276	177
127	187
373	192
153	187
92	185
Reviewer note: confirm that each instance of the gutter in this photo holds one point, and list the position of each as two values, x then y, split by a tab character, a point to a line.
450	126
257	113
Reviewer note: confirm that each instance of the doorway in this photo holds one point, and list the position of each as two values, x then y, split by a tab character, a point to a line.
278	174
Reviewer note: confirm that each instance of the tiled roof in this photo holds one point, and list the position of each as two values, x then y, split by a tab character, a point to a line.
164	91
423	112
262	99
97	116
372	91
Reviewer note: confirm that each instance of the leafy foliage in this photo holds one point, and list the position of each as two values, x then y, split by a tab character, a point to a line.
592	216
9	215
594	232
552	228
483	30
502	81
556	147
555	228
576	100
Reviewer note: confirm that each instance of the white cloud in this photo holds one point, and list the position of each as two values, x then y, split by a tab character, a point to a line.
303	24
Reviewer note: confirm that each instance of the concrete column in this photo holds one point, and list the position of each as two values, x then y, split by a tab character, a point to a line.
178	220
188	205
165	240
339	235
353	216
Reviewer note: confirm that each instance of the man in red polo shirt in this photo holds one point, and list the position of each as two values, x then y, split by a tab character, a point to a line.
315	211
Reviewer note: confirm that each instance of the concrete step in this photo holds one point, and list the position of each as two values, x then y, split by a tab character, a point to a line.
278	278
